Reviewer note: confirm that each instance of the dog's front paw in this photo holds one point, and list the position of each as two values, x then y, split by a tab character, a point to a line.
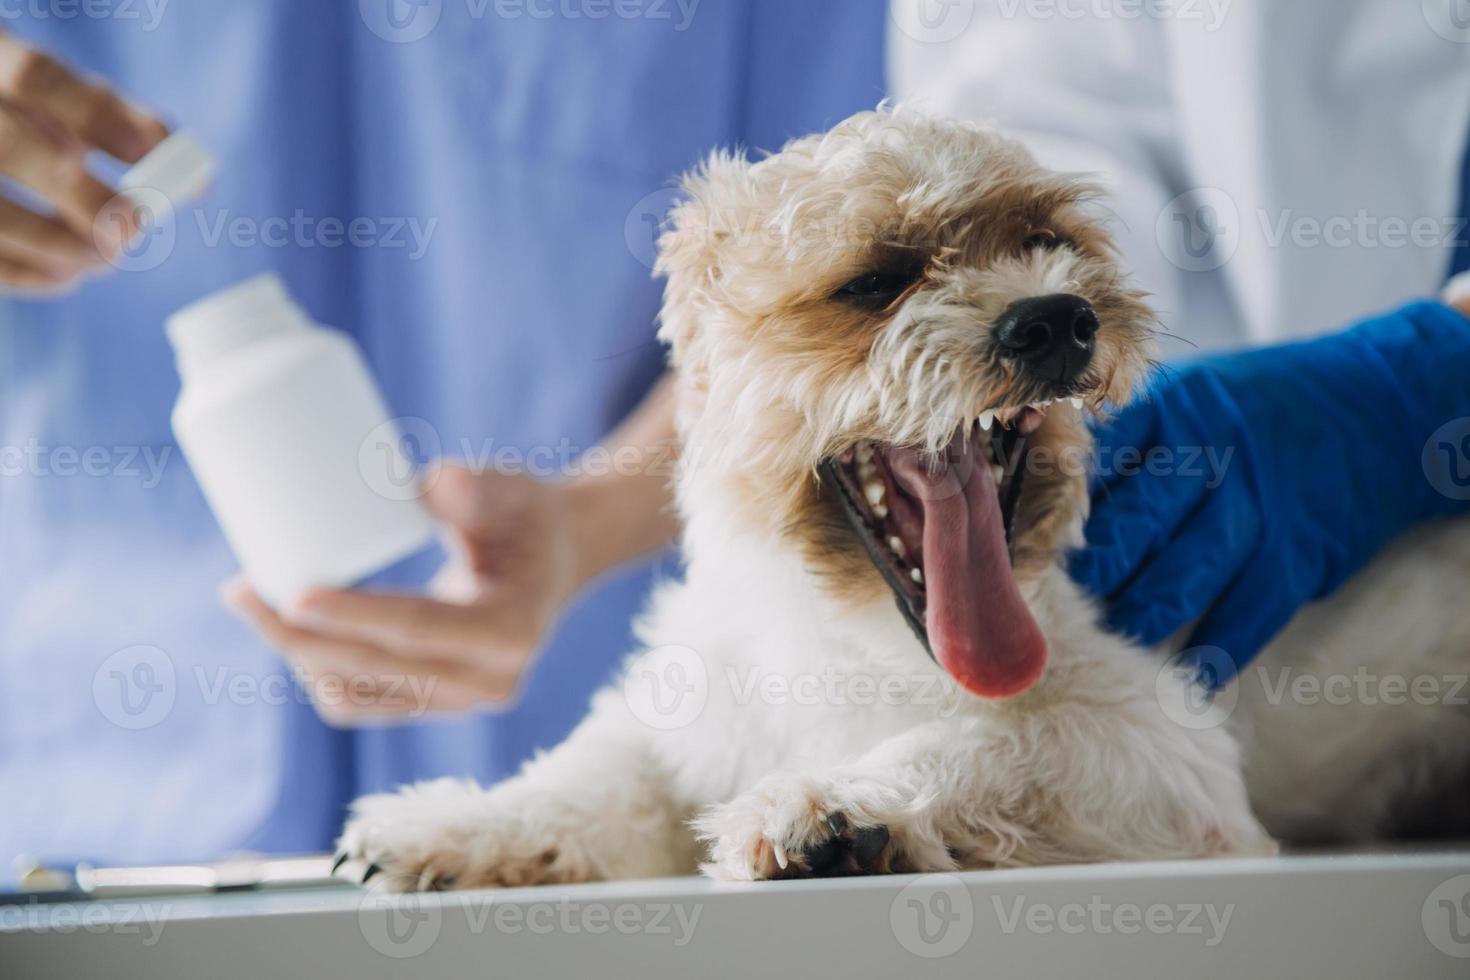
449	834
792	826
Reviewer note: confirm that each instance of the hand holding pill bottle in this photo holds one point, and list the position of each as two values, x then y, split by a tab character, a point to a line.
292	443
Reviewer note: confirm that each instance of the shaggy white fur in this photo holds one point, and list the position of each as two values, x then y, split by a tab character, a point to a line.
782	718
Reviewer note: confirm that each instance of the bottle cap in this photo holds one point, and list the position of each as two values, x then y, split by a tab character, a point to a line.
231	318
178	168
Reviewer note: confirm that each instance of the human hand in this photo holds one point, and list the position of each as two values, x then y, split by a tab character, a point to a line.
50	119
373	654
1249	484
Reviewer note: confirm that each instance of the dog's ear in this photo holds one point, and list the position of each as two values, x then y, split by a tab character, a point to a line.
695	236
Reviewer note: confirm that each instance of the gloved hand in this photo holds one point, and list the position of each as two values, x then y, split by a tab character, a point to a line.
1249	484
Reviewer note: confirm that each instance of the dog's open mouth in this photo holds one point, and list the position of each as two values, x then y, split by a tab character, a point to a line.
938	528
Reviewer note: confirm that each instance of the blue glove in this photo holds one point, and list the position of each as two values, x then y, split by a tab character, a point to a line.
1247	485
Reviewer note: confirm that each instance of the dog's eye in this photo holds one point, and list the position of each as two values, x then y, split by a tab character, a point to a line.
1044	239
877	288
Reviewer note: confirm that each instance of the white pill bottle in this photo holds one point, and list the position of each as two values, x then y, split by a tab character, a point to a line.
288	436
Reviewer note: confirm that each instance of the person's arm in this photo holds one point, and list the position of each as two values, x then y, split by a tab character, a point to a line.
50	119
526	548
1247	485
625	510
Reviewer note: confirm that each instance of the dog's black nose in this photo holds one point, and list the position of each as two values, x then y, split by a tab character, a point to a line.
1052	336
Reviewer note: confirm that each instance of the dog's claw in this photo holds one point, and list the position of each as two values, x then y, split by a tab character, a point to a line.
372	869
780	852
337	864
868	845
836	823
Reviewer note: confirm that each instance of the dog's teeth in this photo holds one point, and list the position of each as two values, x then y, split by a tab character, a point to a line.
875	493
997	472
895	544
880	511
780	853
865	452
916	575
1076	403
987	419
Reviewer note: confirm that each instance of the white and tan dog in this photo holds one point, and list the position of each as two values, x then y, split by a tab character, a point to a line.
880	334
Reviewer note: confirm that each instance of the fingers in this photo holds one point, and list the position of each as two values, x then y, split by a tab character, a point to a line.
50	119
475	502
451	496
242	598
1132	429
1127	512
22	277
1165	477
1246	618
89	208
1190	572
43	244
1129	524
351	682
89	113
408	624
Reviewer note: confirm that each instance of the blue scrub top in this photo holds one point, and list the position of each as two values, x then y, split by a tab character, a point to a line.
501	172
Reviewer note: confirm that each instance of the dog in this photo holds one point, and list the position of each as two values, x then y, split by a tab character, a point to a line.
873	661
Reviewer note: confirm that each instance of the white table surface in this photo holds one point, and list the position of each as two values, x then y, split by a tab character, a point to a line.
1385	916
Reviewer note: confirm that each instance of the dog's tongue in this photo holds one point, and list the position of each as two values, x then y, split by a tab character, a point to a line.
980	629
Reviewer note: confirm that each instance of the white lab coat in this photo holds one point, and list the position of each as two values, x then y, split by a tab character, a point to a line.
1323	139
